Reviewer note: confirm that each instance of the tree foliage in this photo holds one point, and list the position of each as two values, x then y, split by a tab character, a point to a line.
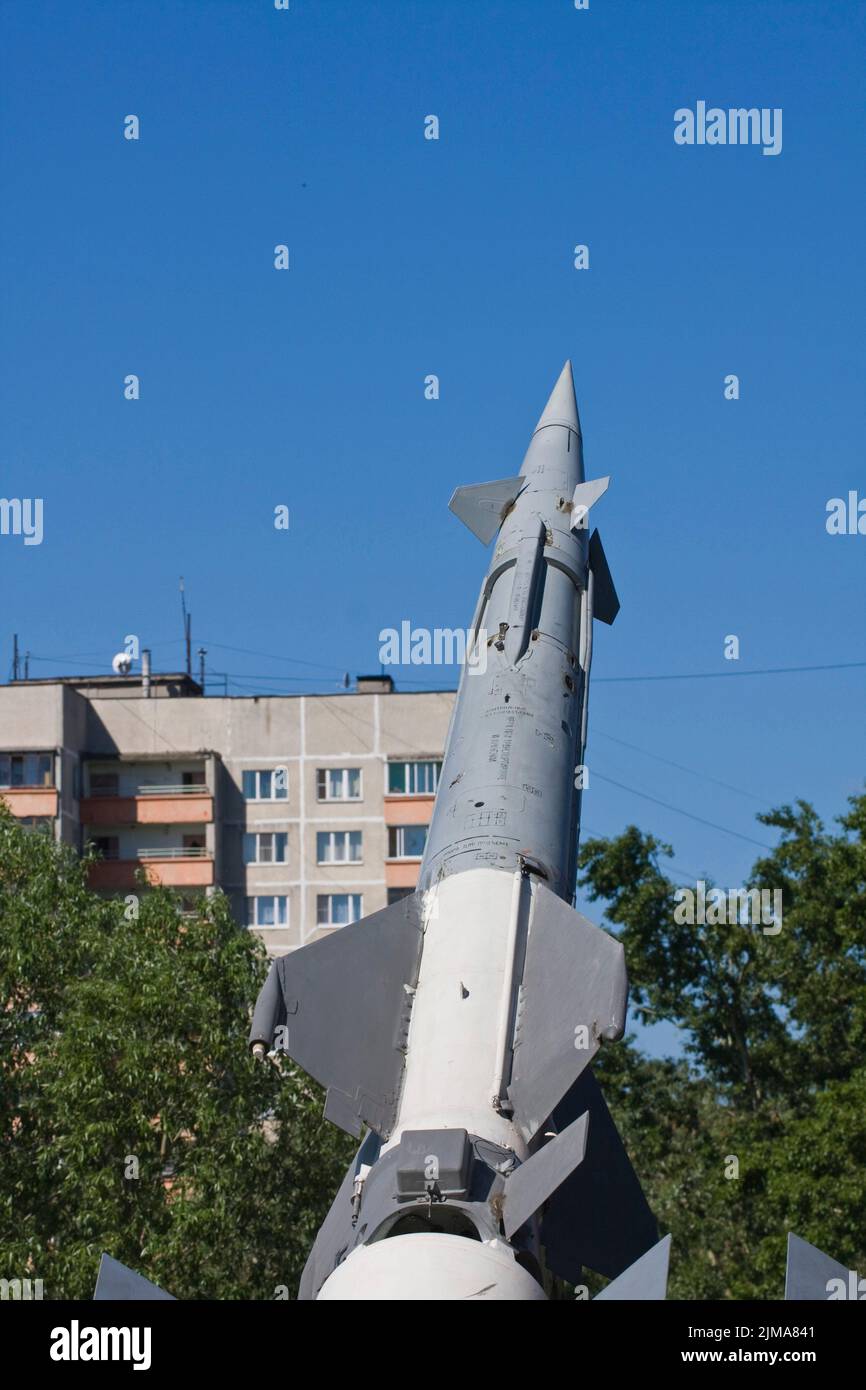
132	1118
773	1073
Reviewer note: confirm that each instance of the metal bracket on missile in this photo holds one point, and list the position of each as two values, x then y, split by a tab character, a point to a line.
482	506
809	1272
605	605
530	1185
117	1283
573	996
645	1281
344	1004
585	496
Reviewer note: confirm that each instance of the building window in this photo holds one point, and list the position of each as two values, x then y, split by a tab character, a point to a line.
395	894
338	784
108	846
103	784
406	841
193	779
338	847
338	909
43	825
268	912
413	779
271	784
26	770
269	847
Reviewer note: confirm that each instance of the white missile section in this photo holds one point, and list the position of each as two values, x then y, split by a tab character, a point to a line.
432	1268
454	1050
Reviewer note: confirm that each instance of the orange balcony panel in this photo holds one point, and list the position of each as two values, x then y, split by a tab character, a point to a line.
408	810
146	810
401	873
112	875
30	801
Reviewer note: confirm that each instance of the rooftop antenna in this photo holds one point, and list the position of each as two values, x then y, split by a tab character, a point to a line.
15	656
27	666
187	627
202	653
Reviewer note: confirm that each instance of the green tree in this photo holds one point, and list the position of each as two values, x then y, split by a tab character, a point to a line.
772	1082
132	1118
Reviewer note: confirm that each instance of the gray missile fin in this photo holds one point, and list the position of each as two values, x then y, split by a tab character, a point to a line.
599	1217
347	1001
572	997
482	506
605	603
646	1280
530	1185
115	1282
336	1233
270	1011
585	496
809	1272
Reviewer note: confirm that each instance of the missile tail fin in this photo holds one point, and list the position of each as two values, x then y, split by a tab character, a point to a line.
599	1216
116	1283
482	506
645	1281
809	1271
339	1007
530	1185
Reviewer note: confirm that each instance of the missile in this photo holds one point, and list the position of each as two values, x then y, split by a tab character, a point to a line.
454	1030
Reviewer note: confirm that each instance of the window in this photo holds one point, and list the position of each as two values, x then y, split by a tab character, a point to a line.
108	846
269	847
338	847
26	770
406	841
193	779
413	779
268	912
395	894
338	909
103	784
43	825
338	784
271	784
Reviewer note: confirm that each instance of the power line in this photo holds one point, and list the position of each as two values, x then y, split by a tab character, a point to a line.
722	675
680	812
704	776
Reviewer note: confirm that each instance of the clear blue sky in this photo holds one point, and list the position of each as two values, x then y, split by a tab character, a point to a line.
454	257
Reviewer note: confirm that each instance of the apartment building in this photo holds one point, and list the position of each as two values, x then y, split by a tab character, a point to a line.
308	811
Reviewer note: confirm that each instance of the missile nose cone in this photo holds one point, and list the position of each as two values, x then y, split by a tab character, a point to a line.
561	408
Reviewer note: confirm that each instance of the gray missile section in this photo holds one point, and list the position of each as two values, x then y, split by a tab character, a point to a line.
507	788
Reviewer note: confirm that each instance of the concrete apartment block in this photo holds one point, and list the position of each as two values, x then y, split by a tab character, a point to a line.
307	811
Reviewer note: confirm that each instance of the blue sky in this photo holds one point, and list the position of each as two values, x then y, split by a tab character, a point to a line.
452	257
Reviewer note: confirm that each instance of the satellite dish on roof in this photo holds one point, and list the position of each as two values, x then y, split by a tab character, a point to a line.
122	664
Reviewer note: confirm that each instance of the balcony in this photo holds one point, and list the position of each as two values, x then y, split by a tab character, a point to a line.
30	801
167	867
401	873
159	805
409	810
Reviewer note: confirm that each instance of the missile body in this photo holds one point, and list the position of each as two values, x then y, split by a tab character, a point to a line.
458	1025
